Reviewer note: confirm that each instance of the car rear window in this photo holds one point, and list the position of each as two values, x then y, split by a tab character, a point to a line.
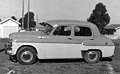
82	31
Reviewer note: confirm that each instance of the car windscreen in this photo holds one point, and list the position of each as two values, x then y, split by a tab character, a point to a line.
47	27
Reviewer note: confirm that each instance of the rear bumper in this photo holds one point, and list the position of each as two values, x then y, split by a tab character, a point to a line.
112	56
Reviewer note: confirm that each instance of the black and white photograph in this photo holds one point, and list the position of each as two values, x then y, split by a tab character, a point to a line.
59	37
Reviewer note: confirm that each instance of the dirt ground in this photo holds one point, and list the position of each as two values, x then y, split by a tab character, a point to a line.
78	66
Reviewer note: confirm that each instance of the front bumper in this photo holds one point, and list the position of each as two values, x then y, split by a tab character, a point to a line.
9	52
8	48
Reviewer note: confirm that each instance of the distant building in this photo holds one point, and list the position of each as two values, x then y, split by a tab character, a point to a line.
8	26
113	31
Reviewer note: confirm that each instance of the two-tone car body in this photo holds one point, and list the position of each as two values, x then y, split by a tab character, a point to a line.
61	39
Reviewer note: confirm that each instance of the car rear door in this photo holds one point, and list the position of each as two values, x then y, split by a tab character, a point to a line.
81	34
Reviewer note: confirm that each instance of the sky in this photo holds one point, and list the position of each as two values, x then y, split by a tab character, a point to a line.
59	9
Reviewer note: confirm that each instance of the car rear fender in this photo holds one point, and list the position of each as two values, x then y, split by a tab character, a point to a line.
84	51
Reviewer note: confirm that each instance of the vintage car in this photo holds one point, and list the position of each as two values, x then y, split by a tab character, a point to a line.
60	39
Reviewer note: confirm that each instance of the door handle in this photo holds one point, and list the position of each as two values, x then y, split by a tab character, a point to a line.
91	39
70	38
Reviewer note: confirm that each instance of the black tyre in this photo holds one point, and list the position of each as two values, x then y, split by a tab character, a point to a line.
92	56
13	59
26	55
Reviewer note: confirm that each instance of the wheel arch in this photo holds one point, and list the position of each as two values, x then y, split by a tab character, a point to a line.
27	46
84	51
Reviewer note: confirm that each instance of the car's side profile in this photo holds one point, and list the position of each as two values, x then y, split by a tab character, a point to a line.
60	39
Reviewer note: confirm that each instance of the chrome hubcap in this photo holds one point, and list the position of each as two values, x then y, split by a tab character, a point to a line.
26	56
92	55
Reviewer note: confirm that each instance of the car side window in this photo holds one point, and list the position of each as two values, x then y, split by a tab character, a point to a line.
62	31
82	31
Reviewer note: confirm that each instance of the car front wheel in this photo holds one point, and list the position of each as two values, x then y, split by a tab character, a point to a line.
26	55
92	56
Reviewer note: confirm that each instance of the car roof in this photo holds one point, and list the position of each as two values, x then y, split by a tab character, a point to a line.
72	22
75	22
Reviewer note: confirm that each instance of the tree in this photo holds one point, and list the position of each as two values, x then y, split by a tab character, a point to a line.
13	17
32	23
100	17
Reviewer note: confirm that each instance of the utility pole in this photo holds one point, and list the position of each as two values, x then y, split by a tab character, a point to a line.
28	14
22	14
37	19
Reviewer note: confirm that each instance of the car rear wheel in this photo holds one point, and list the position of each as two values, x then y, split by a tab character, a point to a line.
92	56
26	55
